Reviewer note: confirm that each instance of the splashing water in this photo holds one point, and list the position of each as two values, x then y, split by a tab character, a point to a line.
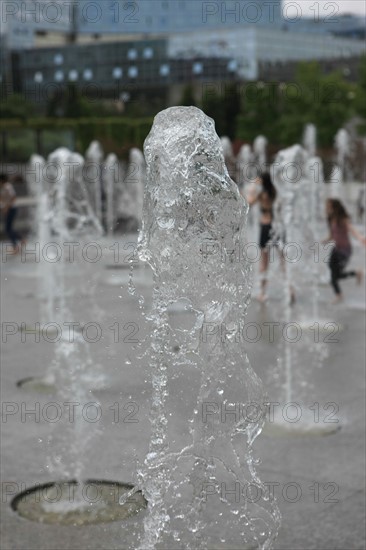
298	180
138	168
259	148
309	140
93	170
193	218
110	184
71	219
342	144
315	196
287	175
245	166
339	175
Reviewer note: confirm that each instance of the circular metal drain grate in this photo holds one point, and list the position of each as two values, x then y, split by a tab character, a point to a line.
79	503
35	383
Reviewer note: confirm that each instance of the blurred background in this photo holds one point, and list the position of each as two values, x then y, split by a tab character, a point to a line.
89	76
76	71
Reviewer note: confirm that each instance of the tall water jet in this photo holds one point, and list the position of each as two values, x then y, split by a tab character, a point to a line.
131	192
260	152
293	173
94	156
66	222
71	220
137	177
343	148
247	174
193	218
244	166
338	176
110	184
314	200
309	140
288	171
34	180
227	149
46	283
68	451
315	175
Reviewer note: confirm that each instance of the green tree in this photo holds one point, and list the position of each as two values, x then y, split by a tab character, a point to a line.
15	106
71	104
325	100
188	98
212	107
259	112
231	106
360	94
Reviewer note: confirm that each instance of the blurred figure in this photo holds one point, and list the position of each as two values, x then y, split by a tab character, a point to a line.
7	203
264	193
340	229
360	204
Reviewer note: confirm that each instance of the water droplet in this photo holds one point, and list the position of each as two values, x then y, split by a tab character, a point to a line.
165	222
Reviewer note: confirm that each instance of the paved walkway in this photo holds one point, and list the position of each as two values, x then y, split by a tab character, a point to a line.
318	480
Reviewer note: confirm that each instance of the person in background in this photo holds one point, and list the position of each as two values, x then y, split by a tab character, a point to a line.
340	229
7	204
265	194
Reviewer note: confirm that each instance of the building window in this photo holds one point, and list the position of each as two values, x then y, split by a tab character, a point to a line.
148	53
73	75
133	72
117	73
165	5
88	74
149	21
58	59
59	76
38	77
232	66
197	68
132	54
164	70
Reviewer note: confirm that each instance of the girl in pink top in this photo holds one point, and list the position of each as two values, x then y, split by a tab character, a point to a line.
340	229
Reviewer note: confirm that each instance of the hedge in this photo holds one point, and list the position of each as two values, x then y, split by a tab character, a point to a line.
116	135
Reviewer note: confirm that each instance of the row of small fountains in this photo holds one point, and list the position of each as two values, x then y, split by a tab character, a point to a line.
111	192
103	192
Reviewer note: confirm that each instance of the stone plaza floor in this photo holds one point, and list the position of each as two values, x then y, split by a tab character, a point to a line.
319	480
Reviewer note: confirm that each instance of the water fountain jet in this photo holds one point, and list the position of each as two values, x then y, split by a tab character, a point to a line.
193	218
296	185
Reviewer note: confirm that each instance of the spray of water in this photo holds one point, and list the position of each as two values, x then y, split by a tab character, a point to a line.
71	219
193	218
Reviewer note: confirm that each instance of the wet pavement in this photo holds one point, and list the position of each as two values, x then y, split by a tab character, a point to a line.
317	478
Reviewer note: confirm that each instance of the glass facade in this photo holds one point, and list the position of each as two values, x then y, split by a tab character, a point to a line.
169	16
156	17
109	69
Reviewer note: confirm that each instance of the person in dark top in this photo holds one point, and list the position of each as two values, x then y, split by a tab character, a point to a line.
7	203
265	196
340	229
